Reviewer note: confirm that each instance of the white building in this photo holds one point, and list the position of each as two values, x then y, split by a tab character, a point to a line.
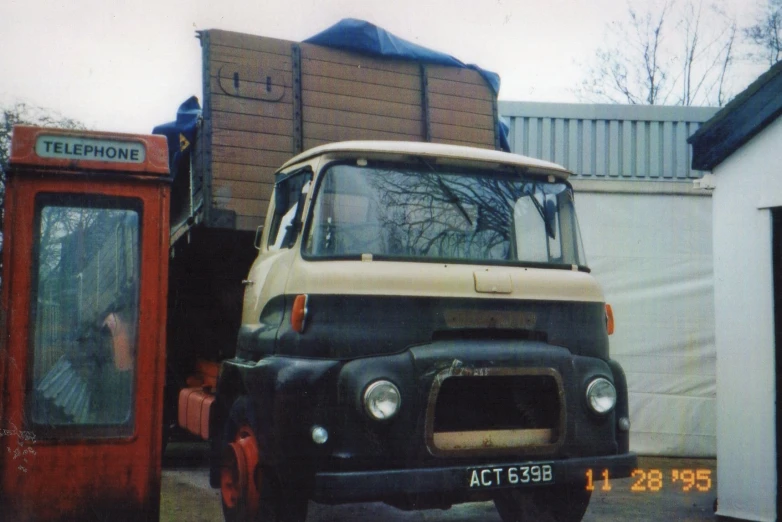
742	146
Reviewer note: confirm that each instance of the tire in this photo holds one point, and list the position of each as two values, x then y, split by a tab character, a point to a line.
250	491
564	503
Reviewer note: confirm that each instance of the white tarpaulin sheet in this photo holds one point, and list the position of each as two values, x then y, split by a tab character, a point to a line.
653	256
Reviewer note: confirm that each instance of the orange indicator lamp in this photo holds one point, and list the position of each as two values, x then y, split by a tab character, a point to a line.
299	313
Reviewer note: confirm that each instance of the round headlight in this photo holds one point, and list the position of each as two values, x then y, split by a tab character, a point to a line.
382	400
601	395
319	435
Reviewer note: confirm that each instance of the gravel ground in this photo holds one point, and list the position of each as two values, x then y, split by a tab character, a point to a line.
186	495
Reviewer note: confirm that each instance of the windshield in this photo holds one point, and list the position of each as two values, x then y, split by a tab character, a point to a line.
442	215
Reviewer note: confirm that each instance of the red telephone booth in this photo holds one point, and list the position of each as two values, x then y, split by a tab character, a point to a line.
82	359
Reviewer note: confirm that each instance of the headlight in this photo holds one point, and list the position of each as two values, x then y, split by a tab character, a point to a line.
382	400
319	435
601	395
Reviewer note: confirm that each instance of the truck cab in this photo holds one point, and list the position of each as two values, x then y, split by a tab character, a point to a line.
420	327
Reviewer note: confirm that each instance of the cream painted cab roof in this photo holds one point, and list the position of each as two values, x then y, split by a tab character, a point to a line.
430	150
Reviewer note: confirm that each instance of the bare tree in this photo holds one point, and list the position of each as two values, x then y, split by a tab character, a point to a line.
765	35
675	52
24	114
707	56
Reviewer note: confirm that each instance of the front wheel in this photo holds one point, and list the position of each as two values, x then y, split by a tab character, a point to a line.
249	491
564	503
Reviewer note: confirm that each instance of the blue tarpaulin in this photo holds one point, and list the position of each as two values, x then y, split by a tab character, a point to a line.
366	38
180	133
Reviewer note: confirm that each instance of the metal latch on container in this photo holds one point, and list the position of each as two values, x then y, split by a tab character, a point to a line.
489	282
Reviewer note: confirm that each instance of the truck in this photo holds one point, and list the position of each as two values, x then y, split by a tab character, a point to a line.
368	300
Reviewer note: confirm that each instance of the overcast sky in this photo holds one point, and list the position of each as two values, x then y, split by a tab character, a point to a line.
126	65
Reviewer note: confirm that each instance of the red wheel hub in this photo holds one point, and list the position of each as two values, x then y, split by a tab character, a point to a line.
240	474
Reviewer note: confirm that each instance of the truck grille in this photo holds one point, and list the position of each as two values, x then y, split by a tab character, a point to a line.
495	410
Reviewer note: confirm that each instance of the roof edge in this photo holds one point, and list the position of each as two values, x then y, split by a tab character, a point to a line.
739	121
414	148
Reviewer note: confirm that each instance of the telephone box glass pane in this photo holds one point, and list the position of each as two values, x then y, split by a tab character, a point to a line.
84	316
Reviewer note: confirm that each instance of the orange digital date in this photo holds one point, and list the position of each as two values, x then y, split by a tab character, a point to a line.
653	480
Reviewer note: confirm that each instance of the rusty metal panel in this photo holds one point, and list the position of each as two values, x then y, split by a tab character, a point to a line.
611	142
102	462
511	439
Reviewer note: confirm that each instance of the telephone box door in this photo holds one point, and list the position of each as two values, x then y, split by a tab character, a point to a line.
84	305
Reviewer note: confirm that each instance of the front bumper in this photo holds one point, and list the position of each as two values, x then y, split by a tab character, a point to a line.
364	486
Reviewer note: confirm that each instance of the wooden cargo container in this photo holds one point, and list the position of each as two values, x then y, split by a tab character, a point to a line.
266	100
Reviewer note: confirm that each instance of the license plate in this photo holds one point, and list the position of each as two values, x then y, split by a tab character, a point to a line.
510	476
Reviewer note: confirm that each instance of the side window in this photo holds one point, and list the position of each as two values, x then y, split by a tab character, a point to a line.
84	315
286	220
535	240
278	235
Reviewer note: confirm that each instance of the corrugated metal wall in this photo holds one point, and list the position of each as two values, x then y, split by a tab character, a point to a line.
608	141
